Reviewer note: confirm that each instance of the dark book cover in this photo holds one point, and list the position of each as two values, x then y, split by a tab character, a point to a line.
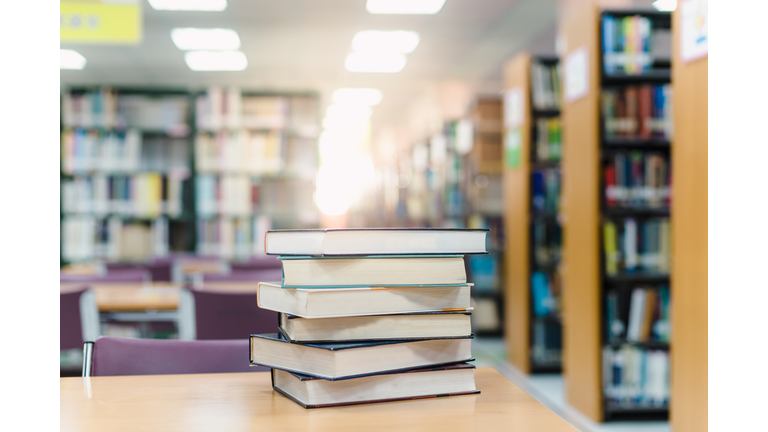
338	346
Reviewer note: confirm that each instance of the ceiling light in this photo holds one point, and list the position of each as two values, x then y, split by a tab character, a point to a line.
216	39
216	60
375	62
665	5
357	96
404	6
401	41
348	112
189	5
71	59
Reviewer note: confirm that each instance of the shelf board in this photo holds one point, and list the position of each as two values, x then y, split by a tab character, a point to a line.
632	143
547	266
624	409
486	294
545	164
639	277
551	112
635	211
652	76
546	368
548	318
644	345
544	214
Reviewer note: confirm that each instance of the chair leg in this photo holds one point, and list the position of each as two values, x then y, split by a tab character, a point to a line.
87	359
187	322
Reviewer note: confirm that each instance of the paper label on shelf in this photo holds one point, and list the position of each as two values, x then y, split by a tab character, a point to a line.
512	148
105	22
576	74
514	113
694	30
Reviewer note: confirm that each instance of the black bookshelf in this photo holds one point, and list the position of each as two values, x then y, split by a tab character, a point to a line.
550	219
659	73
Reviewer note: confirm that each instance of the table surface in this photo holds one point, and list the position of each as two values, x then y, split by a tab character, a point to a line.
246	402
132	296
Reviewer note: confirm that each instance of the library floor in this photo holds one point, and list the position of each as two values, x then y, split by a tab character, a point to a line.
549	390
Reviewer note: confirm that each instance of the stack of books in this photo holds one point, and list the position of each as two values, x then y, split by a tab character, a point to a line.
369	315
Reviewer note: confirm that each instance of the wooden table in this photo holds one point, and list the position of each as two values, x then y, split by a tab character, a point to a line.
246	402
132	296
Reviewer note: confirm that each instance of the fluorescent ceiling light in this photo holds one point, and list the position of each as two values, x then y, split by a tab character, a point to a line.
357	96
71	59
348	112
401	41
426	7
375	62
216	60
665	5
189	5
215	39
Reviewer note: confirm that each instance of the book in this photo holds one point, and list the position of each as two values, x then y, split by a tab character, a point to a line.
334	361
633	245
378	270
626	44
409	326
376	241
311	392
635	378
637	112
338	302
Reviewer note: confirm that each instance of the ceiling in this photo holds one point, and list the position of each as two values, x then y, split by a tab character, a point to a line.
302	44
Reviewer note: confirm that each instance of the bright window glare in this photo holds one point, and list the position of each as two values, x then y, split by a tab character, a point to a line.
404	6
348	112
216	39
402	41
344	125
71	59
357	96
665	5
375	62
189	5
216	60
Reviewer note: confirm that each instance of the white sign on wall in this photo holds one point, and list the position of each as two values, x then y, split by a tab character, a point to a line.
514	114
694	30
576	74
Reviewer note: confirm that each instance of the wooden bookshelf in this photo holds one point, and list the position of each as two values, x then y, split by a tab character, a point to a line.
520	216
584	211
688	411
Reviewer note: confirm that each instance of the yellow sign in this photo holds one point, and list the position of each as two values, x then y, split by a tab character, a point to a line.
106	22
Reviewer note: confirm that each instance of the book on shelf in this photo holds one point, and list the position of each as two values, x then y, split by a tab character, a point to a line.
358	301
377	270
485	315
228	195
256	153
637	179
547	343
221	108
546	189
382	241
86	237
545	85
90	109
627	44
439	381
333	361
229	238
641	319
545	292
168	113
404	326
635	377
637	112
548	136
484	271
547	242
631	245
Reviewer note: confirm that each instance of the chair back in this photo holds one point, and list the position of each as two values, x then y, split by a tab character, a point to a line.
78	318
125	275
254	276
111	356
70	328
223	315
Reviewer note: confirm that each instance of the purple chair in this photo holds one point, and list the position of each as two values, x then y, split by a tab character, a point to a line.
109	356
159	270
78	318
127	275
223	315
261	263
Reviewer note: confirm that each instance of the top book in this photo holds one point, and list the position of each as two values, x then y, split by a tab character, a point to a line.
376	241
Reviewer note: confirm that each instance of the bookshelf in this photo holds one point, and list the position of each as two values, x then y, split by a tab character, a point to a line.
256	158
531	206
688	410
615	212
125	173
146	172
